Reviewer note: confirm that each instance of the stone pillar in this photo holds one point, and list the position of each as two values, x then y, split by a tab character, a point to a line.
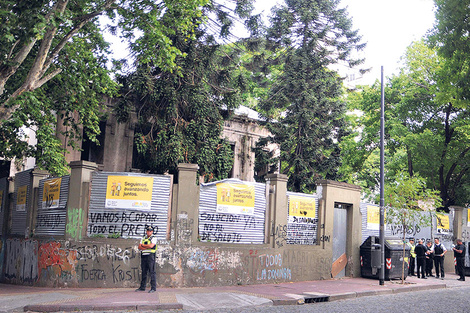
349	196
77	204
36	176
187	204
458	221
278	209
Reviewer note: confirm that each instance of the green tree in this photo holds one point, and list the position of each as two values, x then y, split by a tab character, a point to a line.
53	65
408	202
181	113
426	127
304	107
451	36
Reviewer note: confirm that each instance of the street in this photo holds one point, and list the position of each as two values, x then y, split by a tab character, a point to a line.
440	300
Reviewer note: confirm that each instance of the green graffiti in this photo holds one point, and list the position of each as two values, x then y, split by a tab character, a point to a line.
74	223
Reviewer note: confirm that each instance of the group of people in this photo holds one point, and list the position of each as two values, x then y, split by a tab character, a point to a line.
429	255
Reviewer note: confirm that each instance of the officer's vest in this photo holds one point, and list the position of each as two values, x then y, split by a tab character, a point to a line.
148	240
412	250
438	250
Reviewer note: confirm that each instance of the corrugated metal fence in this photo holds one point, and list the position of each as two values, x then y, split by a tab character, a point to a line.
128	222
302	226
51	215
231	227
3	201
21	200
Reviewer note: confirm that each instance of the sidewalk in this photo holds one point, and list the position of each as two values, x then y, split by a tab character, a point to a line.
15	298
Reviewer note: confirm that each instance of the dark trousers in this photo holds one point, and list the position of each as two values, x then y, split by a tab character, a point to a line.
147	263
461	267
439	265
420	266
411	269
429	265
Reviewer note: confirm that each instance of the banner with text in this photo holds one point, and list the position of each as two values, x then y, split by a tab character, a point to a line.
235	198
443	223
51	193
21	196
303	207
129	192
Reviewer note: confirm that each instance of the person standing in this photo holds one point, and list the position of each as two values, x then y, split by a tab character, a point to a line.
411	267
439	252
148	248
420	251
459	254
429	258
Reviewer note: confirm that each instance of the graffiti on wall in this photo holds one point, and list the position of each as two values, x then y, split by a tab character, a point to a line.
21	263
106	262
74	226
200	261
123	223
57	261
229	228
272	269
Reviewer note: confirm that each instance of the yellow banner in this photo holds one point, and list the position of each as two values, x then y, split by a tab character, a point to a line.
1	200
51	193
443	222
21	195
302	206
235	198
373	217
468	217
129	192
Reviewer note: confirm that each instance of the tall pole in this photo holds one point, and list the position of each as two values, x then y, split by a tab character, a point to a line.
382	180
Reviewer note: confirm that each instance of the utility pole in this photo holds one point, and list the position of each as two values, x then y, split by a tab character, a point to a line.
382	180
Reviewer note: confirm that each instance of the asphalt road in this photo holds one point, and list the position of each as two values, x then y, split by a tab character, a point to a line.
451	300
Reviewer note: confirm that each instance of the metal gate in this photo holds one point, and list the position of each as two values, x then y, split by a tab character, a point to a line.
339	240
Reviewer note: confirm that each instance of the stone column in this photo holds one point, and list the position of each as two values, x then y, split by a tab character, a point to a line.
36	176
278	209
77	204
187	204
458	221
349	196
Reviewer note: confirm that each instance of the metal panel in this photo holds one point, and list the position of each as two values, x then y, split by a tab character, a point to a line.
227	227
52	221
128	223
3	201
370	229
339	235
18	217
302	231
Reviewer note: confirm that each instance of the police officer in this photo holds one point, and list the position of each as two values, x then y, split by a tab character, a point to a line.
459	254
411	268
429	258
148	248
439	251
420	250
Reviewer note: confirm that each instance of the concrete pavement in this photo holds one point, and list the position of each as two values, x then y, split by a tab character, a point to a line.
15	298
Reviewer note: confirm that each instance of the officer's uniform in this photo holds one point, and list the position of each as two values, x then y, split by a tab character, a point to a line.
439	251
411	268
460	258
147	262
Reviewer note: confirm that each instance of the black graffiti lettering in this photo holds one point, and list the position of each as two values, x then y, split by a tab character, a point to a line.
250	222
221	237
93	274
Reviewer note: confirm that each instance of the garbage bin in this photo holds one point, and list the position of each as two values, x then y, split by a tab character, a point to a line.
371	253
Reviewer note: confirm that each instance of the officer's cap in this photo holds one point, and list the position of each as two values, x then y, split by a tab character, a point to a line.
147	228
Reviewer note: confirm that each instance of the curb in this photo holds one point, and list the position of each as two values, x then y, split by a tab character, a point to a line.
85	307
